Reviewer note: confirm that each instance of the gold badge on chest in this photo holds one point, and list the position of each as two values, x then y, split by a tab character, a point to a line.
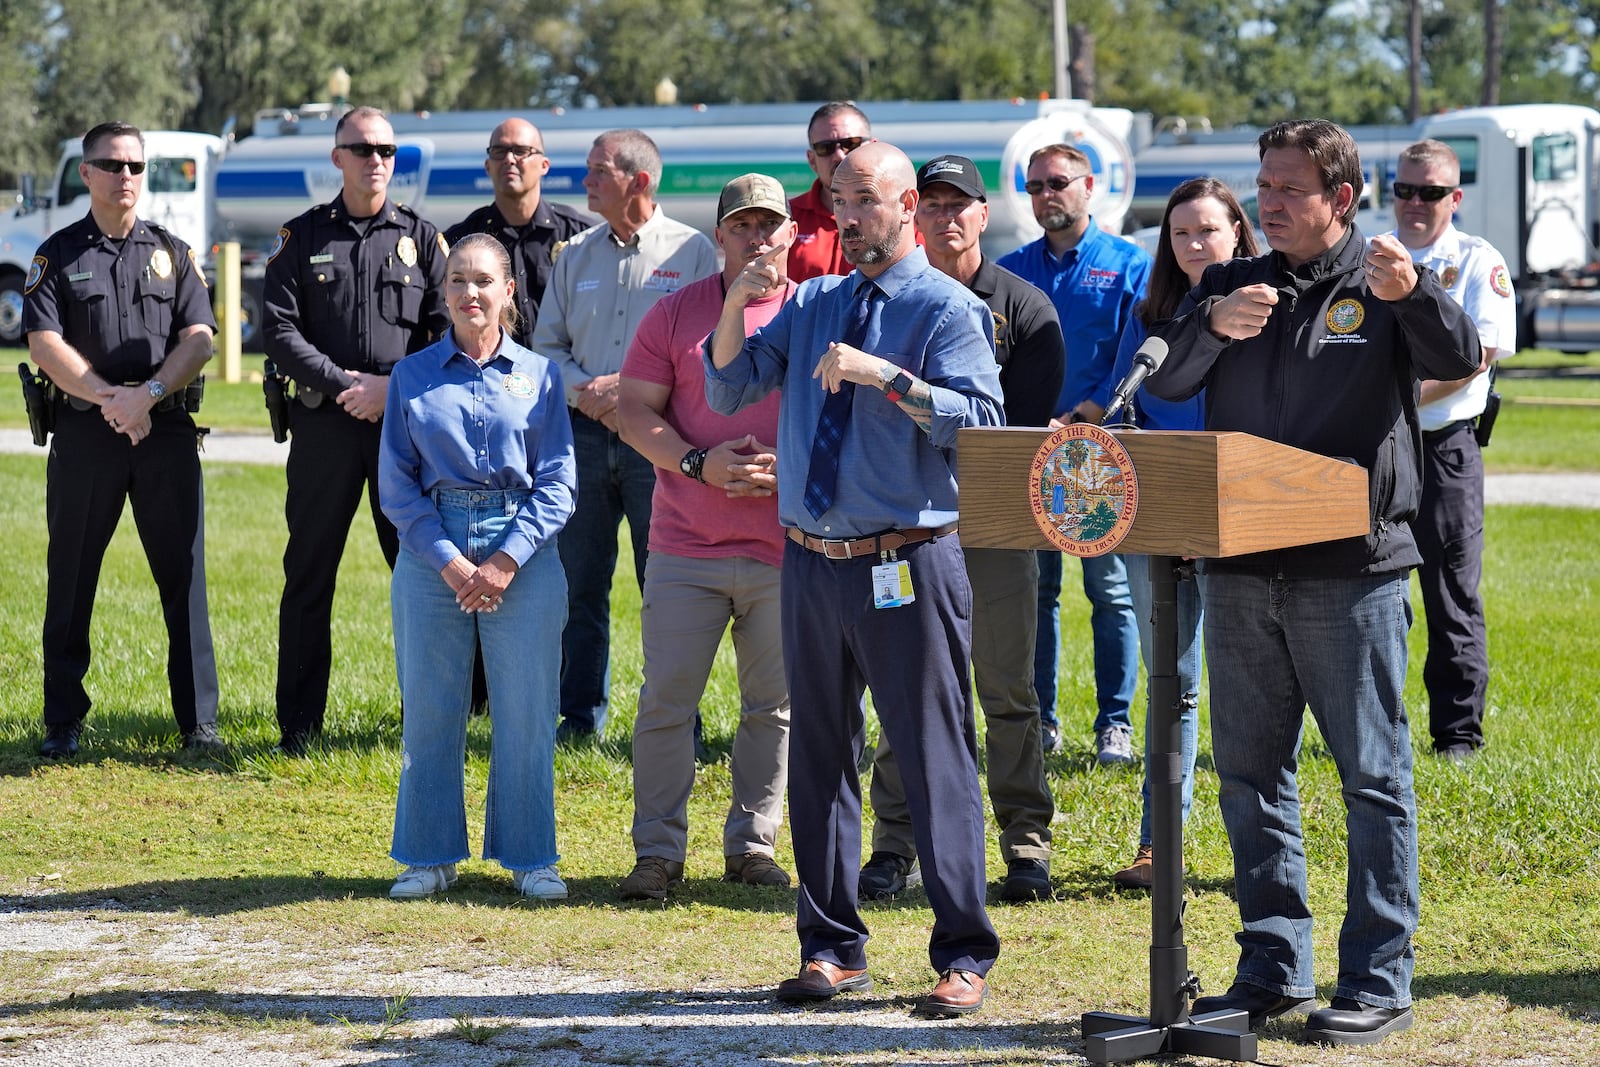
407	251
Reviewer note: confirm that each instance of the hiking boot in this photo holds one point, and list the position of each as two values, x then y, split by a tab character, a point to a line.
886	874
1139	874
1114	745
1026	880
418	882
754	868
651	877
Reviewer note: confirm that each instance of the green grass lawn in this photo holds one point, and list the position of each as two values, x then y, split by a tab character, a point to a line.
293	854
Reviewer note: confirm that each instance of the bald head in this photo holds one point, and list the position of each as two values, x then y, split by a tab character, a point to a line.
884	161
874	201
516	165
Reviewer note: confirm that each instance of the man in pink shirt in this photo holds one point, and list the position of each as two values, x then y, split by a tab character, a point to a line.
715	548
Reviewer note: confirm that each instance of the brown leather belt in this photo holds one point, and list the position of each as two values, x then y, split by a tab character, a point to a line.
868	546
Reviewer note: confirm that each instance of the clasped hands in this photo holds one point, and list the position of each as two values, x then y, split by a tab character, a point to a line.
482	587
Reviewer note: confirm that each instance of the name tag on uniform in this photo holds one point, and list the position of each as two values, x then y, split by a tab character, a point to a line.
83	277
326	257
587	285
891	584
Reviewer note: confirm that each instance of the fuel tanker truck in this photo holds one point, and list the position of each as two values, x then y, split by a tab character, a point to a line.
209	190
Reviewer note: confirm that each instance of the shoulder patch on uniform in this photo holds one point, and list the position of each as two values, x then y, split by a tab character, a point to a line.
444	246
1500	280
277	245
198	273
35	273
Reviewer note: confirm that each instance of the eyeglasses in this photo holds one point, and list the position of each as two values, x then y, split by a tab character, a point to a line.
847	144
1034	188
515	152
117	166
1430	194
367	151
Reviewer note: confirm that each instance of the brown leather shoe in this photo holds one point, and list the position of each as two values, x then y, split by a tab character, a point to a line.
1139	874
958	993
819	980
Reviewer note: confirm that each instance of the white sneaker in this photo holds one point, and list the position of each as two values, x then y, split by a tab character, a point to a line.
1114	745
418	882
541	883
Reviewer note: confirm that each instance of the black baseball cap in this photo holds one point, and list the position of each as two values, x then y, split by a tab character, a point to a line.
958	171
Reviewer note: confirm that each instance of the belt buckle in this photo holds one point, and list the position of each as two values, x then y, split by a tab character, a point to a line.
829	546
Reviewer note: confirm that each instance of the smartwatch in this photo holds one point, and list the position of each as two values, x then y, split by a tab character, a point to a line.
898	387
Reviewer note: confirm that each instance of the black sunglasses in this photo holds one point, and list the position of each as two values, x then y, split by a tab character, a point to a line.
1430	193
116	166
367	151
517	152
1034	188
828	148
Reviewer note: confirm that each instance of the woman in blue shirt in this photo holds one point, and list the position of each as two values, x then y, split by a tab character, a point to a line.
1203	224
476	472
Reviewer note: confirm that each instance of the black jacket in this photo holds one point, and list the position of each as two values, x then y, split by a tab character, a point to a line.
1335	372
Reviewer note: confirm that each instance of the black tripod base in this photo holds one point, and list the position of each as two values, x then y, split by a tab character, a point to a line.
1219	1035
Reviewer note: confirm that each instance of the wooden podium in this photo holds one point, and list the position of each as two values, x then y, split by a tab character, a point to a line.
1205	494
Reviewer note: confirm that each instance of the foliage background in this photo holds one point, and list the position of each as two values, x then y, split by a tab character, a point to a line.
192	64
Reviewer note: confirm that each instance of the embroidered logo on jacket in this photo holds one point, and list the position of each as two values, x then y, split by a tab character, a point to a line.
1346	316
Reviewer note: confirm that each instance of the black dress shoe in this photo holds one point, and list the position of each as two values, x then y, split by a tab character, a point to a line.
1350	1022
1026	880
61	739
204	740
1259	1002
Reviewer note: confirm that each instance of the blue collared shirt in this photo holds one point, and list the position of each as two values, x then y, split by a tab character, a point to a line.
1094	287
450	424
892	475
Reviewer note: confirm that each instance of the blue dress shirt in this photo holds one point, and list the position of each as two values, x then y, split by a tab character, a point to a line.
450	424
892	475
1094	286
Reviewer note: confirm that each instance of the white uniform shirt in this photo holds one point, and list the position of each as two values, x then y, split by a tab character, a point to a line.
1475	276
600	289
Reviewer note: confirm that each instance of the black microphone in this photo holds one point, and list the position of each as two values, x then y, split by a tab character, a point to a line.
1150	356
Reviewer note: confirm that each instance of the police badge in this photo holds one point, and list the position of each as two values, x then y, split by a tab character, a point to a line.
161	264
1449	275
407	251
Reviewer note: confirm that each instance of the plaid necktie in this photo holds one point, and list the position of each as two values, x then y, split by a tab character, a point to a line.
822	479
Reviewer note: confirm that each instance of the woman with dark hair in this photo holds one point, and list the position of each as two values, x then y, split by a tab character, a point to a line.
1203	225
476	471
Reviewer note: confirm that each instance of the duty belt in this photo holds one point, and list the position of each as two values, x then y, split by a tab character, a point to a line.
850	548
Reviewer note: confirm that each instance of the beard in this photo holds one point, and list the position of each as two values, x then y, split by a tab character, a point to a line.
874	251
1056	219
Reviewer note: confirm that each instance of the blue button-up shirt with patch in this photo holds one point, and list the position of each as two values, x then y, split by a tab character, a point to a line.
892	475
450	424
1094	287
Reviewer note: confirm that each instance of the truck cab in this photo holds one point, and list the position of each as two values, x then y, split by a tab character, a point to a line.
176	195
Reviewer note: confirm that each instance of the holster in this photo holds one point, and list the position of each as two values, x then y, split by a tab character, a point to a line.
1483	426
37	398
275	386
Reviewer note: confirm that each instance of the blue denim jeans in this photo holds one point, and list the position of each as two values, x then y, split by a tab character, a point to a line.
1115	633
433	644
614	482
1338	645
1189	615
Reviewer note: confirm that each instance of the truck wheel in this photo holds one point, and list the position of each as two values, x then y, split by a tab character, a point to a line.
11	308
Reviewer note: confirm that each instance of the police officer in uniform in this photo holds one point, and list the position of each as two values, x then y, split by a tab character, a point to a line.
530	227
118	317
351	287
